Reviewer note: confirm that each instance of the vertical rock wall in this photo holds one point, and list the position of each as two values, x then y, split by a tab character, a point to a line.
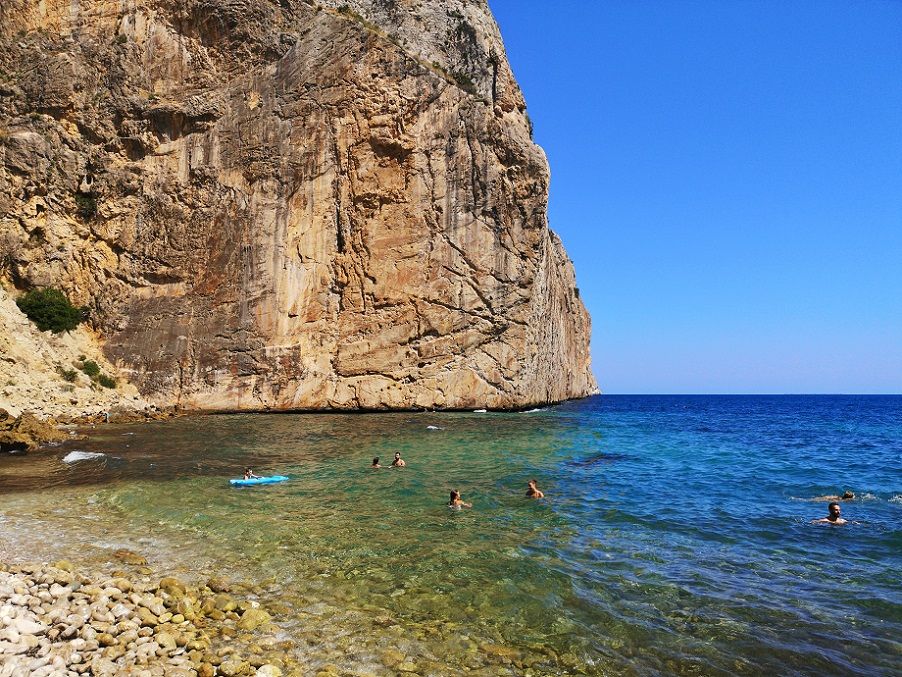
288	205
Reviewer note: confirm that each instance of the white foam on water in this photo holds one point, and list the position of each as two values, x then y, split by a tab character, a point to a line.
432	427
479	411
76	456
896	499
532	411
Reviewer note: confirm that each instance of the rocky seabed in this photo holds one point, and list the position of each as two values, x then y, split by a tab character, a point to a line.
56	622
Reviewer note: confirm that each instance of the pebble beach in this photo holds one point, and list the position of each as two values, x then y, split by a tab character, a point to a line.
59	621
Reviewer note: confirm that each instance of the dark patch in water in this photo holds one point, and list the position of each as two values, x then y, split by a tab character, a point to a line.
600	457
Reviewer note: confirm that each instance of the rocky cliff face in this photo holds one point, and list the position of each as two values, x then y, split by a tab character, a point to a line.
282	204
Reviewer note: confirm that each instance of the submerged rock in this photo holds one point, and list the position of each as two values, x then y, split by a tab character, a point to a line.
252	619
129	557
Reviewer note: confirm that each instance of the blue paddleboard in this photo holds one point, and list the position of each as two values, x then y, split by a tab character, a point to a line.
258	480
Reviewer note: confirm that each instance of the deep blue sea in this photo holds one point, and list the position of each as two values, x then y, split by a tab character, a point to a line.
675	538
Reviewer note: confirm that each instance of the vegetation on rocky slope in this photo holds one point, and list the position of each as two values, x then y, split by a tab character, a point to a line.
50	310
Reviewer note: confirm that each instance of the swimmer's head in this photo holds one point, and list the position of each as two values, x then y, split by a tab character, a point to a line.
532	483
376	461
397	454
247	470
847	496
834	509
455	494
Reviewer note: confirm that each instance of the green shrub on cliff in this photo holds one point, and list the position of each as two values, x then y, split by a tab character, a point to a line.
86	205
90	368
106	381
50	310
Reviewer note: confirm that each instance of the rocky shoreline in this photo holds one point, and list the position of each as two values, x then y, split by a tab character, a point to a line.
28	432
56	620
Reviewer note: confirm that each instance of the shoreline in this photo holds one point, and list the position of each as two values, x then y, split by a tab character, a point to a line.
28	432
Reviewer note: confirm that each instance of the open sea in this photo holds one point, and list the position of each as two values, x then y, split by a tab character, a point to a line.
675	537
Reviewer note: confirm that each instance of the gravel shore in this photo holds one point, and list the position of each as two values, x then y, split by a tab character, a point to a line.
55	621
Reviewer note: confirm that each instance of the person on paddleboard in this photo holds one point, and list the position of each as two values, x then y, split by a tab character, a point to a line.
249	475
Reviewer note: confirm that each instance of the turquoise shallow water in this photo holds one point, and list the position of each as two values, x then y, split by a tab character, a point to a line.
672	539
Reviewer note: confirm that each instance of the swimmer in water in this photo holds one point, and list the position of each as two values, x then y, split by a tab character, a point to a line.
398	462
248	475
834	516
456	502
533	491
376	463
846	496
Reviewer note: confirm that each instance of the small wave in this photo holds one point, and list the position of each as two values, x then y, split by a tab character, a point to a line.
896	499
76	456
432	427
479	411
532	411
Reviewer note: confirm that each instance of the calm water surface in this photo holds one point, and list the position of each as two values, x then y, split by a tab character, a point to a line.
672	539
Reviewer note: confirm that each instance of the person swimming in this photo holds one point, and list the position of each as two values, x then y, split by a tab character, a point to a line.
456	502
249	475
376	463
833	518
398	462
846	496
533	491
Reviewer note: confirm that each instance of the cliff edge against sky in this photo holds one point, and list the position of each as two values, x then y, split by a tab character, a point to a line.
286	204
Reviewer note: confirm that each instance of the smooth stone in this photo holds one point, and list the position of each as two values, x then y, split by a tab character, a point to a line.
114	652
129	557
166	641
26	627
233	667
170	583
268	670
146	617
128	637
225	603
218	584
106	639
253	618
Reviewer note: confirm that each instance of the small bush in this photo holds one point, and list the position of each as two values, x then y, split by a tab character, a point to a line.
50	310
86	205
68	374
106	381
121	39
90	368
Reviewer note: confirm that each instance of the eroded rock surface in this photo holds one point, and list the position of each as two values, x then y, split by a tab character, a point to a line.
288	205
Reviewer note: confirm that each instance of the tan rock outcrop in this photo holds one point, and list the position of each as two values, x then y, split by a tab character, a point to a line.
288	205
39	373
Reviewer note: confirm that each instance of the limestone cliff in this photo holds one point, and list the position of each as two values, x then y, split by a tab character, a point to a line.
284	204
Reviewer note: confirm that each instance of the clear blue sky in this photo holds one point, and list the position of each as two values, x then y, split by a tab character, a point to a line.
727	178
